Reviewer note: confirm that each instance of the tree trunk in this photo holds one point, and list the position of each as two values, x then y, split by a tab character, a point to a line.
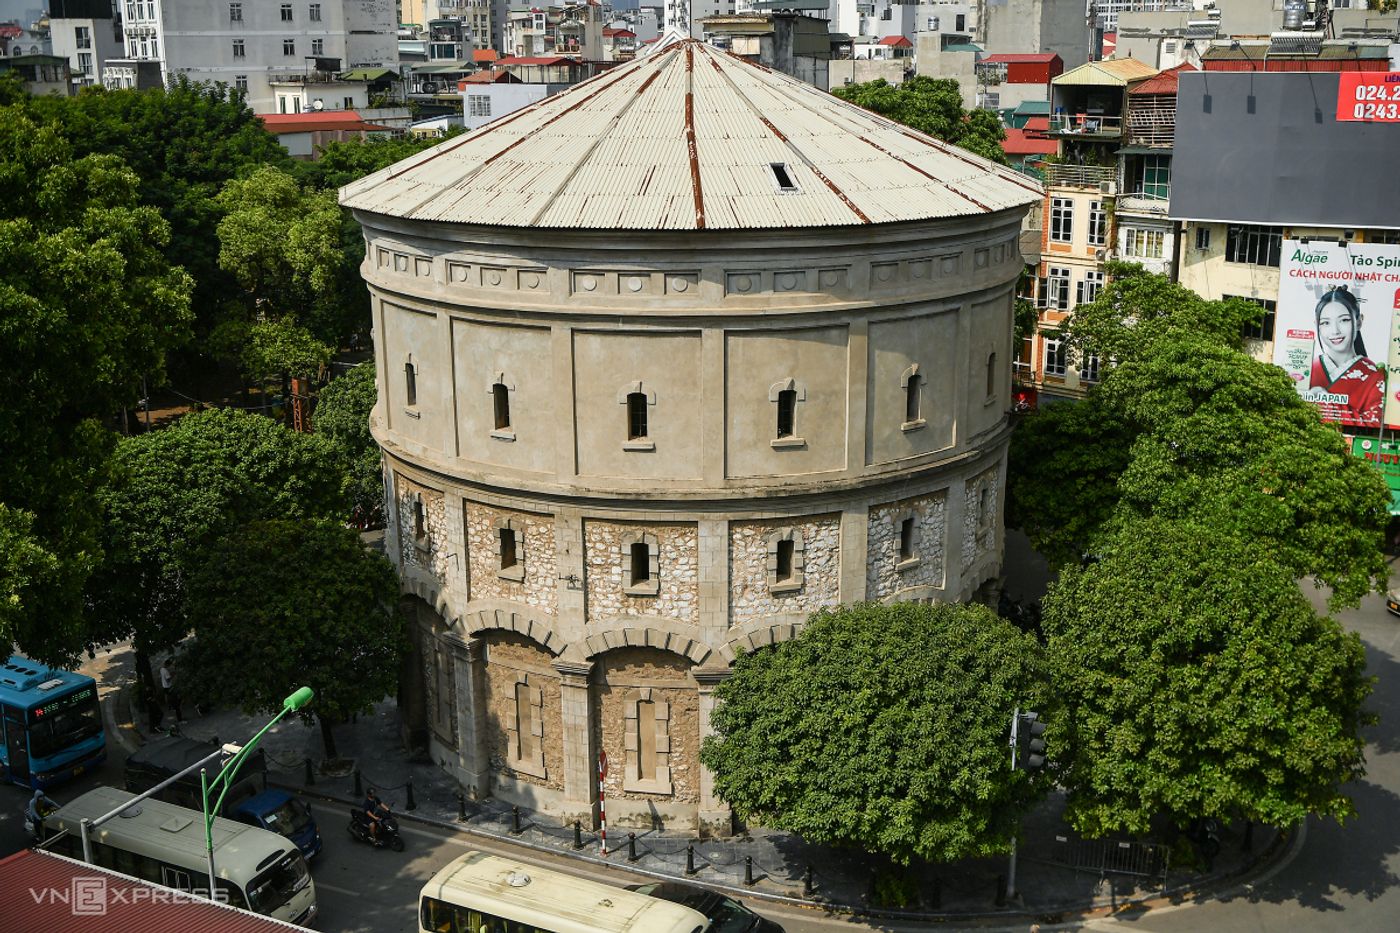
145	673
327	737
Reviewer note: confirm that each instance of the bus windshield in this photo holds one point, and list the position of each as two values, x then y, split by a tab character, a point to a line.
275	887
65	727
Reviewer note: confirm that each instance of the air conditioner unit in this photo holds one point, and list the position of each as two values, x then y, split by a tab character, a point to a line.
1105	187
1100	255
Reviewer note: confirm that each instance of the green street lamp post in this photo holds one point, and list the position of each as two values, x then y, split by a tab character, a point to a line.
229	772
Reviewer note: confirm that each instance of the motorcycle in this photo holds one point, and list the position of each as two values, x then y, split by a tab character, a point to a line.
388	836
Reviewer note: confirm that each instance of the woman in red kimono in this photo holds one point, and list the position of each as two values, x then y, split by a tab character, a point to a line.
1346	385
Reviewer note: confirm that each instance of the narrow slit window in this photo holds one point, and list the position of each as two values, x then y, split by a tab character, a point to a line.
508	557
417	517
991	374
911	397
906	539
984	502
641	564
781	176
636	416
410	382
787	412
785	552
500	400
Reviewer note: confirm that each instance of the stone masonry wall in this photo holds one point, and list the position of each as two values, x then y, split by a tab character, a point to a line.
882	579
428	552
749	595
507	657
979	526
617	674
535	550
678	571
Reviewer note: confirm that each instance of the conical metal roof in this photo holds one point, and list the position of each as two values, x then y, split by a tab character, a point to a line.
690	138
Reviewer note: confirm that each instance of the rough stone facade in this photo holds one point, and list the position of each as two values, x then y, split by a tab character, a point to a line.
886	574
510	658
535	553
424	551
677	563
751	595
616	680
440	687
981	515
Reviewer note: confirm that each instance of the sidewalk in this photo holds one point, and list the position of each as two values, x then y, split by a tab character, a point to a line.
1047	884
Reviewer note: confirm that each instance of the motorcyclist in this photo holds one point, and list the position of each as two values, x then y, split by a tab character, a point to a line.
374	810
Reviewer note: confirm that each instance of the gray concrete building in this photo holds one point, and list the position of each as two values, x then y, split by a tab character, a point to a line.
667	362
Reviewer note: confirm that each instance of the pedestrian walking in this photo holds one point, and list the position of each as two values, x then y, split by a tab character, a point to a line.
167	687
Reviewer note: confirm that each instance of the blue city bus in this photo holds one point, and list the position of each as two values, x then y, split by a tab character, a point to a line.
50	725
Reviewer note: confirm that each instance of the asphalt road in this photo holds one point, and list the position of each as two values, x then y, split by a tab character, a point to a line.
1338	878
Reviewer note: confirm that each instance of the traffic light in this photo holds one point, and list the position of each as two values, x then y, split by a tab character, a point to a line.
1026	732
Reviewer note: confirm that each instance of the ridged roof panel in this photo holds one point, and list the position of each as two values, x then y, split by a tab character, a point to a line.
684	139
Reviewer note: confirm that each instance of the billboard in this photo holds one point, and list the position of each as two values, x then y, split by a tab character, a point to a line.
1368	95
1335	329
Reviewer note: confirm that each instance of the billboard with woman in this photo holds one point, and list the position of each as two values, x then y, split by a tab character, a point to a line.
1333	331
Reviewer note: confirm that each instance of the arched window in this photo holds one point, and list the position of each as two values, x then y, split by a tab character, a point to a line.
911	397
991	374
636	416
500	403
410	381
787	412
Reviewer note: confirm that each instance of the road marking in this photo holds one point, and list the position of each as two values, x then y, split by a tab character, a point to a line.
322	886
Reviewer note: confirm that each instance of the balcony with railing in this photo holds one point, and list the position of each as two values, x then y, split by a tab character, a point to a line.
1099	177
1144	202
1087	125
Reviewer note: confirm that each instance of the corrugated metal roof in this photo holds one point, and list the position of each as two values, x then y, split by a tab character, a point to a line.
38	892
684	139
1116	72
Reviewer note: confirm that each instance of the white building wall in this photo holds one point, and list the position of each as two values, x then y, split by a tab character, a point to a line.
502	99
85	62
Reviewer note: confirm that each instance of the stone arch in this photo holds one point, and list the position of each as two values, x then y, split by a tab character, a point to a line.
429	590
759	634
536	628
647	632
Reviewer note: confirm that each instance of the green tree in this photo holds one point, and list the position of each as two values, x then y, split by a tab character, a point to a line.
1186	426
174	492
184	142
342	417
882	727
281	604
1198	681
287	248
932	106
89	306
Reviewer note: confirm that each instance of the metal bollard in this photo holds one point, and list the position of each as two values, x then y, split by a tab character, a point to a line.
748	869
461	807
1001	890
515	821
578	835
310	774
935	894
690	858
631	847
807	886
412	804
359	787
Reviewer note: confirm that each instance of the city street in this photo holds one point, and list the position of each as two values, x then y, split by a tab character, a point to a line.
1337	879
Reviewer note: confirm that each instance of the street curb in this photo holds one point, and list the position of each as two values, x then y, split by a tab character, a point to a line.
1200	887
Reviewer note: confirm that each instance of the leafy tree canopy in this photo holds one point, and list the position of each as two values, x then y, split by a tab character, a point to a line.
1186	426
175	491
281	604
276	347
933	106
88	307
1197	680
882	727
342	417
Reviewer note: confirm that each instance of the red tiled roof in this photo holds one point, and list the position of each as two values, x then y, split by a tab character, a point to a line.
898	42
536	60
1037	125
1164	82
37	890
489	77
1011	58
485	55
313	121
10	31
1018	143
610	33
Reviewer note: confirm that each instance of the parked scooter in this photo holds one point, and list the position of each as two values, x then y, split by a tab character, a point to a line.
388	835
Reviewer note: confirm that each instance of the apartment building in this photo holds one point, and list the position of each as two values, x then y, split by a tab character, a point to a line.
86	33
257	47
